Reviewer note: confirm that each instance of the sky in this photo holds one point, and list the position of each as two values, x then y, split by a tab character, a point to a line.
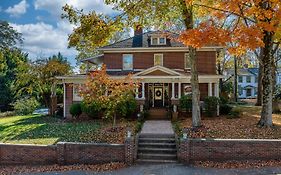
44	32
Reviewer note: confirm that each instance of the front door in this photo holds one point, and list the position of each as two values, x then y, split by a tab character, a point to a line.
158	96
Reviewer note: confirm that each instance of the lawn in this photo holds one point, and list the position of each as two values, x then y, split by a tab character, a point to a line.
36	129
244	127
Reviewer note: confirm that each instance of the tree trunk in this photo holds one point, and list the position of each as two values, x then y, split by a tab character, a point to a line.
114	120
187	14
266	113
235	80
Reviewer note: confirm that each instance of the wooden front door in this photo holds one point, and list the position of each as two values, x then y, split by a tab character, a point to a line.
158	97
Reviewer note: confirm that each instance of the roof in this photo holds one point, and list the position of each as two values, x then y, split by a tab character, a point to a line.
244	71
143	40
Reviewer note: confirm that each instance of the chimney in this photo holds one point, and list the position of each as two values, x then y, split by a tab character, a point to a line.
138	30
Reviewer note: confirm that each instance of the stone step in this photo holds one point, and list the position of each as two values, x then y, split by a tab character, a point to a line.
156	140
157	150
152	161
157	145
157	156
156	135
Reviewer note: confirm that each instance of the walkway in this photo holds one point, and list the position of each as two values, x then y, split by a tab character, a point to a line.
174	169
157	127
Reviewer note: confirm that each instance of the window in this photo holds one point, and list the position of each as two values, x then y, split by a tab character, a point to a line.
158	59
248	79
127	62
76	96
240	79
186	61
158	40
256	79
248	92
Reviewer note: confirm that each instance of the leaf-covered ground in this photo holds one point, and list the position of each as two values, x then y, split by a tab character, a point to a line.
36	129
244	127
5	170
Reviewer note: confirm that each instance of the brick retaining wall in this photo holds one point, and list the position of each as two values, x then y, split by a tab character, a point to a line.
228	149
66	153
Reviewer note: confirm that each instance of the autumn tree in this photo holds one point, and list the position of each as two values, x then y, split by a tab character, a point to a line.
109	93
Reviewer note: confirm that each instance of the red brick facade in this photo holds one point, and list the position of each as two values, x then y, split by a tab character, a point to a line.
206	60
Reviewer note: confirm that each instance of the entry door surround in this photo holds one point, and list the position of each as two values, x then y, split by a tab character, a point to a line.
158	96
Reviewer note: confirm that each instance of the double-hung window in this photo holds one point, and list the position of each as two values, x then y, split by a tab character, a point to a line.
186	61
127	61
158	59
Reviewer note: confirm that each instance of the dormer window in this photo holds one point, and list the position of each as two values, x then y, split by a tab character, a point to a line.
158	40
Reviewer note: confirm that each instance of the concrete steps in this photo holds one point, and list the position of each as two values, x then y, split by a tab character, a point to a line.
157	148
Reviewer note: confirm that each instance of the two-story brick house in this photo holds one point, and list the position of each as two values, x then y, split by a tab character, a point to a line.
159	63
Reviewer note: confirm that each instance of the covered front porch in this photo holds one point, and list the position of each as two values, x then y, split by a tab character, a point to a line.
160	87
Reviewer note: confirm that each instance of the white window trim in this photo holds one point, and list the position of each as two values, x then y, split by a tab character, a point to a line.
187	68
158	40
156	54
76	97
123	62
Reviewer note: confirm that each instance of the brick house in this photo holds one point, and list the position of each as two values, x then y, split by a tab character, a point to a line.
159	63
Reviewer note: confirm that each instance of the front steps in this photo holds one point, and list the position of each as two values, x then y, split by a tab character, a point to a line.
157	148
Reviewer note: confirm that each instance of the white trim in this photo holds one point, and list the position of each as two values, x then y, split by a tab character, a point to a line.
64	100
132	56
162	58
158	40
139	69
155	49
154	68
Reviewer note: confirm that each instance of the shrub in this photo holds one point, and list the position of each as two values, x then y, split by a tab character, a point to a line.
25	106
75	110
186	103
7	114
92	110
211	104
225	109
128	107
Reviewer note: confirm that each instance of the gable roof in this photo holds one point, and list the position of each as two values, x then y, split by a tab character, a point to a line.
244	71
164	70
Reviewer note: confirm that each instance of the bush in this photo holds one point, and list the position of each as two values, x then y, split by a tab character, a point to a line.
25	106
92	110
75	110
225	109
7	114
211	104
186	103
128	107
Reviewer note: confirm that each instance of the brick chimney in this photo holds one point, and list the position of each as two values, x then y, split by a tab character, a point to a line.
138	30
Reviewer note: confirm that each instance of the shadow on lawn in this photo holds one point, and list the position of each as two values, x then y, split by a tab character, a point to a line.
47	130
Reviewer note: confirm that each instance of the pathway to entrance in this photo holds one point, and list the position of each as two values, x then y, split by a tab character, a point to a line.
157	127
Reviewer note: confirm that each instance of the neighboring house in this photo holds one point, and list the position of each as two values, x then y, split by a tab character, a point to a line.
159	63
247	81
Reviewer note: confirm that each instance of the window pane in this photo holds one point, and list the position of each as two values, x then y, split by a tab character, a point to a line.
158	59
161	40
248	79
154	41
128	62
240	79
186	61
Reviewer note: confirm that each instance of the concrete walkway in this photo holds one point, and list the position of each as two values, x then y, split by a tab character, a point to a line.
171	169
157	127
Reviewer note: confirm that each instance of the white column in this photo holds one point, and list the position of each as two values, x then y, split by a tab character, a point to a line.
179	90
216	90
210	89
217	95
173	90
64	100
137	92
142	90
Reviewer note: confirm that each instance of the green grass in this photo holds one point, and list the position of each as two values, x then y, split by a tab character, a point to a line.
36	129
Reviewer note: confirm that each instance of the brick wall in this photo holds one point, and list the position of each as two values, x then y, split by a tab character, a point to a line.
27	154
228	149
174	60
67	153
